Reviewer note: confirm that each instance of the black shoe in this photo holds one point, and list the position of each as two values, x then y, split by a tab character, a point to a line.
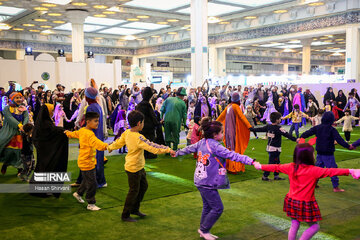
140	214
129	219
278	178
265	179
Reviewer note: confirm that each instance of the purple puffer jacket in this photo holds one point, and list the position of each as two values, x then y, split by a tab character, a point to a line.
207	173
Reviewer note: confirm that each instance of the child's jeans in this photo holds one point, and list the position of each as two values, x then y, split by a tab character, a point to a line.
212	208
137	188
353	113
328	161
274	158
295	126
347	135
89	185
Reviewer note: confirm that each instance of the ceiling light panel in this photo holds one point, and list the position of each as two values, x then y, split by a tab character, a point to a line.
146	26
103	21
163	5
59	2
290	46
319	43
215	9
87	27
252	3
11	11
3	18
272	45
121	31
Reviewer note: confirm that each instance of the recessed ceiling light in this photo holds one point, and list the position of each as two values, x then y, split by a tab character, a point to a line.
132	19
213	20
130	37
140	39
281	11
0	3
330	36
59	22
250	17
46	26
172	33
34	30
224	23
48	5
100	6
55	14
100	15
79	4
172	20
162	23
46	32
155	36
316	4
315	39
341	42
98	38
28	25
41	8
328	41
143	17
187	26
18	29
324	38
189	29
340	39
40	20
109	12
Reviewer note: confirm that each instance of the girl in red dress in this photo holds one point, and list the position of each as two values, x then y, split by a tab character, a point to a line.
300	203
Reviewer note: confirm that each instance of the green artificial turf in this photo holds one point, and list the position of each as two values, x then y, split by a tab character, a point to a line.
253	209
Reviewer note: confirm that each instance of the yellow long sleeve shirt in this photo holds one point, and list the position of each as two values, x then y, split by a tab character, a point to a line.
89	143
296	117
136	143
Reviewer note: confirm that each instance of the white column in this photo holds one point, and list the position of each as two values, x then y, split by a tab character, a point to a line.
134	66
217	62
306	56
212	61
199	42
352	59
286	69
77	18
117	73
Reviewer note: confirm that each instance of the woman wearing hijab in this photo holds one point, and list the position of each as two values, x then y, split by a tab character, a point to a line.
15	116
51	144
329	96
150	121
341	102
124	99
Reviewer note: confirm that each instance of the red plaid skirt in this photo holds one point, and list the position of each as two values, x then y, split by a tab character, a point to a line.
303	211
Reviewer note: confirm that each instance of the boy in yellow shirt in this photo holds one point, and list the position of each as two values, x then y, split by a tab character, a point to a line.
136	143
89	143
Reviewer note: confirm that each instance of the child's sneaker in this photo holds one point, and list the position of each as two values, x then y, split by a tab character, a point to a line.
93	207
78	197
265	179
206	236
278	178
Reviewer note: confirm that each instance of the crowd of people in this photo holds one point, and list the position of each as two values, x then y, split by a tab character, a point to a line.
146	122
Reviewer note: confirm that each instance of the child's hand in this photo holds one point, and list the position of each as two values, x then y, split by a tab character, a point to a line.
257	165
109	150
351	147
66	131
172	153
355	173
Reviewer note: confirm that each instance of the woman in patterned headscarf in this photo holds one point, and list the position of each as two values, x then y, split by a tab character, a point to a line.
15	116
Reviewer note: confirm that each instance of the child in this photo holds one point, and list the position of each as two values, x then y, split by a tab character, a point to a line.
274	132
296	117
327	107
135	163
210	173
59	116
335	110
317	119
250	115
347	127
312	108
300	203
86	160
325	137
190	126
352	103
27	152
270	108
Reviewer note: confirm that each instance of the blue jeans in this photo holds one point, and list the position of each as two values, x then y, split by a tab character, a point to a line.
212	208
328	161
296	127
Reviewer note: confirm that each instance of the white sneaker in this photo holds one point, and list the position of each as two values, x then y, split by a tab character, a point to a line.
206	236
92	207
78	197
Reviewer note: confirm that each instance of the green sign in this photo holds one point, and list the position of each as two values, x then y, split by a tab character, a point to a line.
45	76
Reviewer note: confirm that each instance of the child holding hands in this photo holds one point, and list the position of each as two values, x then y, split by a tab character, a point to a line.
210	173
300	203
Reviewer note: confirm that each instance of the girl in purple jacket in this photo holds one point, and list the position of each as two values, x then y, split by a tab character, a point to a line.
210	173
